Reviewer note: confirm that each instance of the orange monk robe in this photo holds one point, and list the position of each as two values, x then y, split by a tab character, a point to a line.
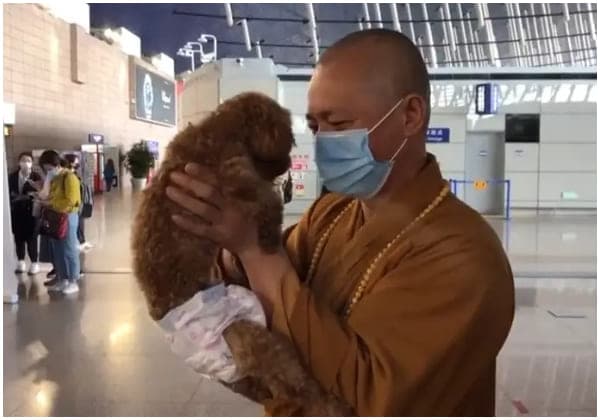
424	338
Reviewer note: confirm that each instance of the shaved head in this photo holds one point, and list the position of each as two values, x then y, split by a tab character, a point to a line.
387	59
375	80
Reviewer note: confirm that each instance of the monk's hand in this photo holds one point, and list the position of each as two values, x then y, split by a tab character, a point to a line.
206	213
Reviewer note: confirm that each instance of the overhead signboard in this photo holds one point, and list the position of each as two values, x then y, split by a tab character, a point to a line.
153	97
95	138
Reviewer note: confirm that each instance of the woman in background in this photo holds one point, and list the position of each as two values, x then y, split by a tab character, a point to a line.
46	255
109	174
65	197
74	165
22	185
45	245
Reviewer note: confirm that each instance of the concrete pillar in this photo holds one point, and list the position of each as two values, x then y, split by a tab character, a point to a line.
9	278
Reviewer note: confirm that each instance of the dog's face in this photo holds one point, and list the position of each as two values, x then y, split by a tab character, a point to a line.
269	135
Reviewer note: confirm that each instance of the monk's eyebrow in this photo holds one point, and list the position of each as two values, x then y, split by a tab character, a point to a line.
324	115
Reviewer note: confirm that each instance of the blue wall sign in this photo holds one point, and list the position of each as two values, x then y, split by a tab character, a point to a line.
438	135
486	98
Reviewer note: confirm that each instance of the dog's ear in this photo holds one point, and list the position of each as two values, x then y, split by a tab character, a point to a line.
269	135
271	144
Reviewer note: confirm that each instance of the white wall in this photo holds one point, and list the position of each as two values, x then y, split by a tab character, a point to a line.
292	95
128	42
214	82
200	96
72	11
568	155
563	162
164	63
449	104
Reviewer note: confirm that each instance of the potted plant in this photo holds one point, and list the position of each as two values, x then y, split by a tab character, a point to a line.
138	161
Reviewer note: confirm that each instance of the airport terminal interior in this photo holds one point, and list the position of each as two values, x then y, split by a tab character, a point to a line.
513	128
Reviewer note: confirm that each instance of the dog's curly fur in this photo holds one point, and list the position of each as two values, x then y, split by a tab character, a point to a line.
246	142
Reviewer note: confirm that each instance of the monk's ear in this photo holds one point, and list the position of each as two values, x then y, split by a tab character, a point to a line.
415	115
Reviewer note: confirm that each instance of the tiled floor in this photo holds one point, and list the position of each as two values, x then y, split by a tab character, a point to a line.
98	353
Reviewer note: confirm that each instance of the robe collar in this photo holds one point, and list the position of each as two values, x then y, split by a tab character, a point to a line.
353	246
406	204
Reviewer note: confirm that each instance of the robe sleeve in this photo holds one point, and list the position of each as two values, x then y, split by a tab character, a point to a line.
416	343
235	273
251	388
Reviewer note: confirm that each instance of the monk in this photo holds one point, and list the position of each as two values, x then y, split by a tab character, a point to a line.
397	296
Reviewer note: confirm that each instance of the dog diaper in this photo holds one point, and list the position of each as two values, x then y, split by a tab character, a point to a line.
194	330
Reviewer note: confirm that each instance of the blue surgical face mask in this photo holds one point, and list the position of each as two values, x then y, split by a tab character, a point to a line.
346	164
51	173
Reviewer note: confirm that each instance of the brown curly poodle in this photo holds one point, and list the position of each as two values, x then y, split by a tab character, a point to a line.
246	142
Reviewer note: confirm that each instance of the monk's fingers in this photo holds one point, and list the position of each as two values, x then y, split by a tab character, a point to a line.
200	189
209	177
201	172
195	206
194	225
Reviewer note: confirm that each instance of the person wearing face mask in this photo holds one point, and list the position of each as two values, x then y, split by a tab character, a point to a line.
72	161
74	165
23	184
41	199
45	244
64	197
397	296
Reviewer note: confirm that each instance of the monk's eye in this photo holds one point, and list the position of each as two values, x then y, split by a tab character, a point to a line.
341	125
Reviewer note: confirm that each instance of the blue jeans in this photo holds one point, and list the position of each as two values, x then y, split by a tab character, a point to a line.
65	252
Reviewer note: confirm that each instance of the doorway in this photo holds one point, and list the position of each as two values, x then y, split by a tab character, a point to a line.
484	165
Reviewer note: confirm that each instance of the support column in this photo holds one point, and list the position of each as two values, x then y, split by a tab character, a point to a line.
9	278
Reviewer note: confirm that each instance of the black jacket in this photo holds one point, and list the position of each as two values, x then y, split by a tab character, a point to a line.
23	222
